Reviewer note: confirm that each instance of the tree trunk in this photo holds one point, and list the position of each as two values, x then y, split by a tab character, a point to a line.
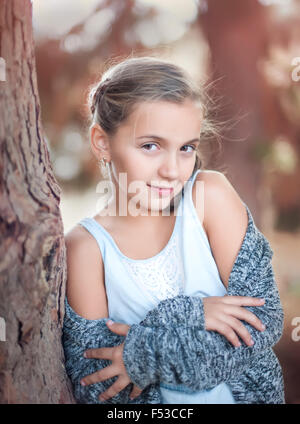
237	35
32	249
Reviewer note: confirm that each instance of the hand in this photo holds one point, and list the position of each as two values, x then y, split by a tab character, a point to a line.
117	367
223	314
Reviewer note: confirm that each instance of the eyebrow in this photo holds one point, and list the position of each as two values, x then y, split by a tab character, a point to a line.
157	137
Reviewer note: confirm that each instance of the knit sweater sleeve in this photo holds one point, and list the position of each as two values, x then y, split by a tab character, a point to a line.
80	334
172	346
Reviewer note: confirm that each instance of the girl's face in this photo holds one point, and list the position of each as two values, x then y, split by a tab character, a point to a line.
155	147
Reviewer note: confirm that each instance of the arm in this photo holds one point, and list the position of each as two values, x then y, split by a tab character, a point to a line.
85	317
195	357
80	334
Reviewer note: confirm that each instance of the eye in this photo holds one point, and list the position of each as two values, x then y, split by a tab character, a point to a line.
147	145
191	146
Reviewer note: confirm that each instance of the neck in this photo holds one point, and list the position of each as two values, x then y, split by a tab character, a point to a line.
131	214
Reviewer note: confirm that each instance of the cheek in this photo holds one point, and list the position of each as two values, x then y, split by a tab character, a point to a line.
126	159
186	169
121	163
129	169
136	168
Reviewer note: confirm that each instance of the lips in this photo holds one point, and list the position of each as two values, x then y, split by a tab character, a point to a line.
162	191
161	188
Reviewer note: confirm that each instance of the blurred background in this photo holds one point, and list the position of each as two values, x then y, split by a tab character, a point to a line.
247	52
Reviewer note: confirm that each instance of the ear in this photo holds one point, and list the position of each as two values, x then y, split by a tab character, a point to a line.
99	142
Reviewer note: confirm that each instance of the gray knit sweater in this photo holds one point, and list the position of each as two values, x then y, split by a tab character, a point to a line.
171	345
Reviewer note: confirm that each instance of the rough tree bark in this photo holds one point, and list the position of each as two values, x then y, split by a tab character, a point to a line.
32	248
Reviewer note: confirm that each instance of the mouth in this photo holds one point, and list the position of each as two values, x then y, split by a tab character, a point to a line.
162	191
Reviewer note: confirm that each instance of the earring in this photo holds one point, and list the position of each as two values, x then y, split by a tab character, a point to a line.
105	168
103	162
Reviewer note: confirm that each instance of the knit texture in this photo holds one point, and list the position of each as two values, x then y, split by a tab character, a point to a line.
171	345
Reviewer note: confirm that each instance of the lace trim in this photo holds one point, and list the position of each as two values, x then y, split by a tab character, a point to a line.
162	277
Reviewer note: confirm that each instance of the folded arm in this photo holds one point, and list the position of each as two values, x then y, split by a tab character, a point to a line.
171	344
86	328
187	354
80	334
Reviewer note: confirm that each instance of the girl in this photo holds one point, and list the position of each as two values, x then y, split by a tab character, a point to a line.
174	259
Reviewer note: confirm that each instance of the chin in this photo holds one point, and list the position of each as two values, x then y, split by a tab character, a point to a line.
159	205
148	209
151	205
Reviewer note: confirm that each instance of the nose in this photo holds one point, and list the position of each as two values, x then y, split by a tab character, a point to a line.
169	169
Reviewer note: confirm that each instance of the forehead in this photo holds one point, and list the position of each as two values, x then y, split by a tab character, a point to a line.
161	118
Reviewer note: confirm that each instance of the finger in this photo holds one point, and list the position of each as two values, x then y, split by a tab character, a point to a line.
226	330
114	389
100	375
241	330
248	316
136	391
101	353
243	300
118	328
238	328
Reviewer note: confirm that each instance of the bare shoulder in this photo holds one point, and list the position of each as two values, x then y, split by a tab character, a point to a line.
224	218
214	182
218	197
79	241
85	274
205	188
